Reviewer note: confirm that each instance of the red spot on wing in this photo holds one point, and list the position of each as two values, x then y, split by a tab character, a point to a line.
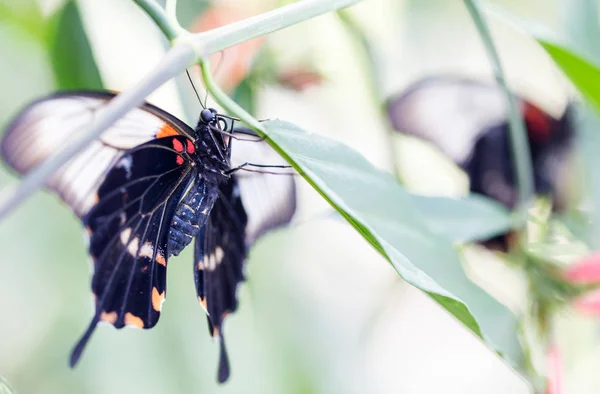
190	147
538	123
177	145
180	160
166	130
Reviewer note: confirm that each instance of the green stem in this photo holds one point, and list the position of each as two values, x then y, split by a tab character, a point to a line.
367	54
518	137
226	36
159	16
225	101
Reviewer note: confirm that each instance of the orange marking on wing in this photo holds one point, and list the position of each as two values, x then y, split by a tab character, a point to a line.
160	259
190	147
180	160
177	145
200	266
166	130
202	302
132	320
109	317
157	299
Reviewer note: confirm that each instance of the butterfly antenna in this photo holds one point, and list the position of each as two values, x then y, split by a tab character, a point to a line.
216	71
194	87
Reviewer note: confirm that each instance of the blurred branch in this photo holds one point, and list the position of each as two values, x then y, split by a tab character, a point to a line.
187	49
371	61
224	37
171	8
368	54
518	136
169	27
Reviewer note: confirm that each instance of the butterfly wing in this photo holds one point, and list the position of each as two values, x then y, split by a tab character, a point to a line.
41	129
249	205
452	113
269	200
125	187
220	252
129	233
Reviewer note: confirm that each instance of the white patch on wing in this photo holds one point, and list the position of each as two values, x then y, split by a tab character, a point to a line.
218	255
147	250
133	246
125	163
125	234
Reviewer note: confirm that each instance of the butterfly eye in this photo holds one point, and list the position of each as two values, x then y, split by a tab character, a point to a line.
207	115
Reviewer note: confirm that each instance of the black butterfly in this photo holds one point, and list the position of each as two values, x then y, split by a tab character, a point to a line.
147	187
468	121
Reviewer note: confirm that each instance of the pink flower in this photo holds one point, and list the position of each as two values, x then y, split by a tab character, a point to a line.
589	303
235	63
555	371
584	272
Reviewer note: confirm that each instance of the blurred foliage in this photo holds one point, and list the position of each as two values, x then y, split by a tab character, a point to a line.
70	51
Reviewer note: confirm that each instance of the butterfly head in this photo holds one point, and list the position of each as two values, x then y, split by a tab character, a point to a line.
209	116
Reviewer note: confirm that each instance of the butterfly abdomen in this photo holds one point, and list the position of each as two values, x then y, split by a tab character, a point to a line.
191	214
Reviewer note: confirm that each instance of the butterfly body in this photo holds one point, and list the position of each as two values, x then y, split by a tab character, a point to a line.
144	191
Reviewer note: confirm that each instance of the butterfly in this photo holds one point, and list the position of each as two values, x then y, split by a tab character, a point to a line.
468	121
147	188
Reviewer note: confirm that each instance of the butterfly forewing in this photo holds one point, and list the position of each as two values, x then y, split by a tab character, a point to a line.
46	125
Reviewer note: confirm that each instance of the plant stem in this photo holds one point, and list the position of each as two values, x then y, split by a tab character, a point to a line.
521	155
226	36
225	101
162	20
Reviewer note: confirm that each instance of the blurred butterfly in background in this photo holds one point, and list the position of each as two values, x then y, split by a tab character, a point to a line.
468	122
144	190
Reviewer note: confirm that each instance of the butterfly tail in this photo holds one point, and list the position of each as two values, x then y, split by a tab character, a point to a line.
78	349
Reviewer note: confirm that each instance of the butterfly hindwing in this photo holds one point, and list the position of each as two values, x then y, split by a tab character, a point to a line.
129	233
269	200
220	252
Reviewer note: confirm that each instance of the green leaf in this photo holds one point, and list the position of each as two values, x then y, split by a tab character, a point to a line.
244	94
582	72
70	51
385	214
473	218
